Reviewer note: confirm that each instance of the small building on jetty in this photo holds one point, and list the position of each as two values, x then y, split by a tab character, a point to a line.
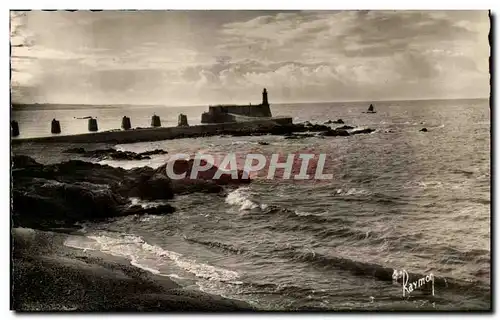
235	113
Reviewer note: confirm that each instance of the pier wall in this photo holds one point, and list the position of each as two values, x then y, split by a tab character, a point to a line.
159	133
219	114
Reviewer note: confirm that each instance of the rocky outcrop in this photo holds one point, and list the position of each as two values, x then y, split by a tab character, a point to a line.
64	193
423	130
113	154
335	133
339	121
344	128
186	166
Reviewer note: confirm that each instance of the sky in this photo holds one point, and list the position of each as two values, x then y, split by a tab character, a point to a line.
206	57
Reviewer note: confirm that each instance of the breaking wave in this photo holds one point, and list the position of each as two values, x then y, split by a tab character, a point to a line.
241	198
141	253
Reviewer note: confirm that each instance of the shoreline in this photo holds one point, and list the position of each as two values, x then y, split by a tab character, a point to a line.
50	276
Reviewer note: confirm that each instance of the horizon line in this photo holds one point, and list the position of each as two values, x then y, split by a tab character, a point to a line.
277	103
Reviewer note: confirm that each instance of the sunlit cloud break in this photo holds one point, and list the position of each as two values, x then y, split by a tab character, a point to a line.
203	57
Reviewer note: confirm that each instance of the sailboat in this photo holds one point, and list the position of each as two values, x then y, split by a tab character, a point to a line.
371	109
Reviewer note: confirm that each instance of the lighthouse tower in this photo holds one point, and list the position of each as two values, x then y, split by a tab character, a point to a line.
264	98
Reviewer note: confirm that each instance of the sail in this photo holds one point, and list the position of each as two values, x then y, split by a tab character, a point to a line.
370	108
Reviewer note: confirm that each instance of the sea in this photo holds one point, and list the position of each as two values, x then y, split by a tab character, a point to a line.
400	199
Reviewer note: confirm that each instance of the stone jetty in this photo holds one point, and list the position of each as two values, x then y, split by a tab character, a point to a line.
258	126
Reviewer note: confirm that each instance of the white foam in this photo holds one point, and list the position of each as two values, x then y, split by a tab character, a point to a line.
136	249
352	192
146	204
240	197
143	267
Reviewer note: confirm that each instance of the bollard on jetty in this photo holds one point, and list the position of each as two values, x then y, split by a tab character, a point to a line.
55	126
155	121
15	128
183	121
126	123
93	124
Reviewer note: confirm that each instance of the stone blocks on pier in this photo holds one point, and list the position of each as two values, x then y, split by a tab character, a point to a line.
93	125
183	121
55	126
155	121
126	125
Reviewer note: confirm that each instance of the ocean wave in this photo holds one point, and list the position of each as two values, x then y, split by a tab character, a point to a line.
298	217
377	271
327	233
140	253
241	198
351	192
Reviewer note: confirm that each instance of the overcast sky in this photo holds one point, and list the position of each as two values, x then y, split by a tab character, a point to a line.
202	57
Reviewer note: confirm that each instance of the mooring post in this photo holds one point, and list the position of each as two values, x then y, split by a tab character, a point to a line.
93	124
183	121
126	125
15	128
155	121
55	126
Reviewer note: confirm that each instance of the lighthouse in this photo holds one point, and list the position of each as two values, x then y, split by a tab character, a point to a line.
264	98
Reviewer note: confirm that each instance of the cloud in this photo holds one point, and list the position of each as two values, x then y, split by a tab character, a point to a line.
211	56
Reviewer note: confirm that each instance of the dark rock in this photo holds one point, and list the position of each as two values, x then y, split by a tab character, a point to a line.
181	166
360	131
335	133
263	143
423	130
158	186
64	193
113	154
153	152
344	128
339	121
24	161
44	202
